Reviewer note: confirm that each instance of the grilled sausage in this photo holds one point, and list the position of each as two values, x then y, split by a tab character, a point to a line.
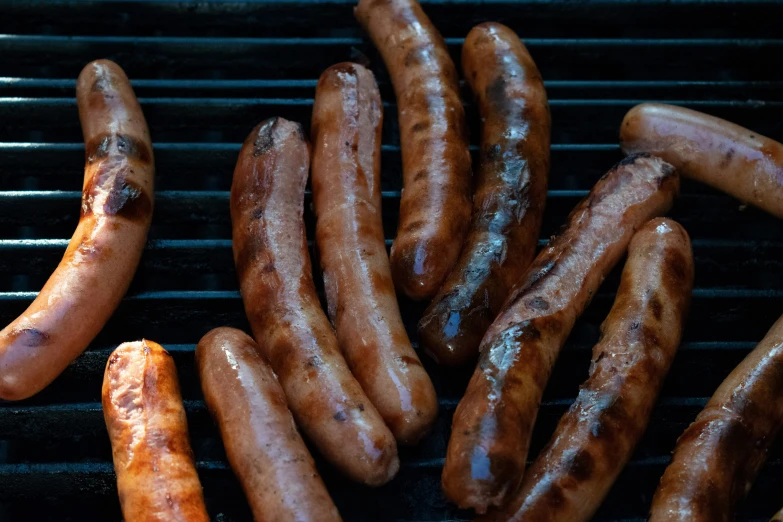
102	256
270	252
718	457
435	204
510	194
726	156
778	517
491	428
263	446
142	406
595	438
346	131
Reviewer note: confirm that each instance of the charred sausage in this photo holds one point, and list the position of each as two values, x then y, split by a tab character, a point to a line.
270	253
102	256
726	156
595	438
346	132
509	199
262	443
718	457
435	204
491	428
142	406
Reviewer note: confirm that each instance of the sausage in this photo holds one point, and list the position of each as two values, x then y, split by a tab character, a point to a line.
510	194
778	517
142	406
435	203
492	424
346	181
102	256
270	253
595	438
718	457
263	446
719	153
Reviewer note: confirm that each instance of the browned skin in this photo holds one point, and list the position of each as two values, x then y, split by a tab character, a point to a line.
435	205
275	276
718	457
346	130
595	438
719	153
510	194
492	424
102	256
262	443
142	406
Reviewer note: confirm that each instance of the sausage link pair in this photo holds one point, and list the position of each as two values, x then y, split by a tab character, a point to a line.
263	446
718	457
510	194
346	132
102	256
270	252
491	428
735	160
142	406
435	204
595	438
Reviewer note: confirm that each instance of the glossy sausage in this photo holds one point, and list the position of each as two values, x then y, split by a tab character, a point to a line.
510	194
262	443
273	265
102	256
491	428
719	153
718	457
346	132
142	406
595	438
435	204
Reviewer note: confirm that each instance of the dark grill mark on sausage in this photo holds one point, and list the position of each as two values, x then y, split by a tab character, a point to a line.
492	152
537	303
581	465
120	144
123	197
726	160
30	337
340	416
656	307
420	126
264	138
496	94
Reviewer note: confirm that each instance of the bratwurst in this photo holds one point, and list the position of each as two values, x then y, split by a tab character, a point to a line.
492	425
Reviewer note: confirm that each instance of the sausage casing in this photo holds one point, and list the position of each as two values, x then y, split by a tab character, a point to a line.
346	132
718	457
491	428
275	277
435	203
719	153
102	256
595	438
262	443
510	194
142	406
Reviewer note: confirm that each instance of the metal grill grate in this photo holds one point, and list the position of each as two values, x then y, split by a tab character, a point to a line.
206	73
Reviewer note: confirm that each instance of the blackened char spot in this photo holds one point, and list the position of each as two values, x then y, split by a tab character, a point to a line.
340	416
656	307
420	126
537	303
30	337
102	83
667	169
726	160
120	144
121	196
581	465
492	152
264	137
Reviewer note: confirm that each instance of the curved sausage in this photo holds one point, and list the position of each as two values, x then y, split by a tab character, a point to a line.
142	406
719	153
595	438
270	252
102	256
435	204
510	194
262	443
718	457
491	429
346	131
